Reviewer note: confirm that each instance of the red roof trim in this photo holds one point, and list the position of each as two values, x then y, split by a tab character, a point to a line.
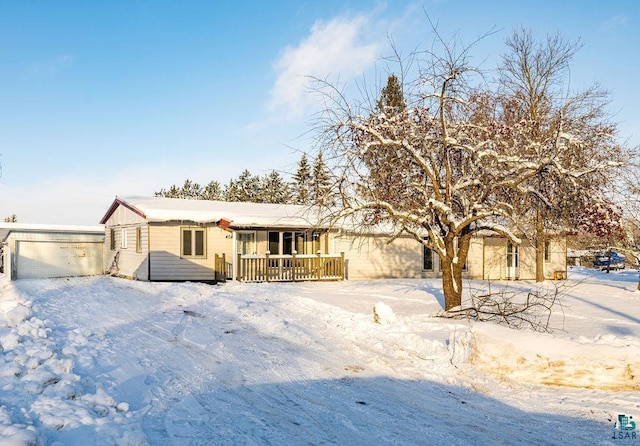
118	202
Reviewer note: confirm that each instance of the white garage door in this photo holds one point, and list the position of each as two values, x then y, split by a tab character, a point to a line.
38	259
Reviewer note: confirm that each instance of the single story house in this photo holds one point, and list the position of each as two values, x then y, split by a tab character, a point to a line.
167	239
34	251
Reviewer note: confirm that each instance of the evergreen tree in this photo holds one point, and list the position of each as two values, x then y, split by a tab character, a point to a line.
11	219
391	100
212	191
320	183
302	182
383	159
273	189
191	190
172	192
245	188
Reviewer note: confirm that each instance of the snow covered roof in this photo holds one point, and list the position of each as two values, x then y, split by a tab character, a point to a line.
7	228
240	214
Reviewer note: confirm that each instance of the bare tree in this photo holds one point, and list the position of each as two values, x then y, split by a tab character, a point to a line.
569	127
458	162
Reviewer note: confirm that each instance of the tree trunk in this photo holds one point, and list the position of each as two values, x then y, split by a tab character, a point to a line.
451	284
540	243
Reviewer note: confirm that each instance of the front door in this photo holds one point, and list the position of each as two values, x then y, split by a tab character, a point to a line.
512	261
246	243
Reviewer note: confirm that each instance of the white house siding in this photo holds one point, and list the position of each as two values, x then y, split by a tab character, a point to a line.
126	259
220	242
124	216
495	259
166	263
371	257
474	259
557	263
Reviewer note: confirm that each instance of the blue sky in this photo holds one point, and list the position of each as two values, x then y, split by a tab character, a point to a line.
100	98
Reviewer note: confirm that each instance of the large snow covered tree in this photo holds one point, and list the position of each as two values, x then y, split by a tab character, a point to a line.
571	127
459	161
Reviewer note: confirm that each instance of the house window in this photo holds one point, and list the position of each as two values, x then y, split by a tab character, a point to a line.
193	243
274	242
427	259
315	242
287	243
123	241
138	239
300	239
112	239
547	251
246	242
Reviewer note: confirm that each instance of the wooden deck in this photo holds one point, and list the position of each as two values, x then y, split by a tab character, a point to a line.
290	268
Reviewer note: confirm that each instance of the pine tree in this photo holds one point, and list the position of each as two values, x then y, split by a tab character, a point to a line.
172	192
191	190
320	183
245	188
212	191
391	100
273	189
383	159
302	182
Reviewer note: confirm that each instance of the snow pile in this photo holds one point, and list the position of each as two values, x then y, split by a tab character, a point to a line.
383	314
109	361
612	363
44	400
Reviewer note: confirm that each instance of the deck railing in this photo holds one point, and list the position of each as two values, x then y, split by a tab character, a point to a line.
290	268
223	271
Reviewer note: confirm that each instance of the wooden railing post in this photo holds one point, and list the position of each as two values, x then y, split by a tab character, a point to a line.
266	266
319	266
223	267
239	268
342	265
293	266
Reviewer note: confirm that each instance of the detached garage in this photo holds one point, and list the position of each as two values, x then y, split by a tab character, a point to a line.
43	251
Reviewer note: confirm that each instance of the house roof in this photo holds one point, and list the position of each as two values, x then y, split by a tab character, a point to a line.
240	214
7	228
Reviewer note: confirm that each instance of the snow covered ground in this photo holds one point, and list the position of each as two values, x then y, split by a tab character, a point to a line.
108	361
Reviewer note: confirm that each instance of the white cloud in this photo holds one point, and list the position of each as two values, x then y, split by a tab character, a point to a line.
334	49
51	67
613	23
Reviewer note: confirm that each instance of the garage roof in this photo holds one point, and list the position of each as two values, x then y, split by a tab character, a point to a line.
7	228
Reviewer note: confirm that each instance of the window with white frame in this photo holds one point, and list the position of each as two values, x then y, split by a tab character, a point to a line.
112	239
123	240
138	239
193	242
246	242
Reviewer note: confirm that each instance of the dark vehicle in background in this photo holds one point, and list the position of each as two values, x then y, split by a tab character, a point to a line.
609	260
